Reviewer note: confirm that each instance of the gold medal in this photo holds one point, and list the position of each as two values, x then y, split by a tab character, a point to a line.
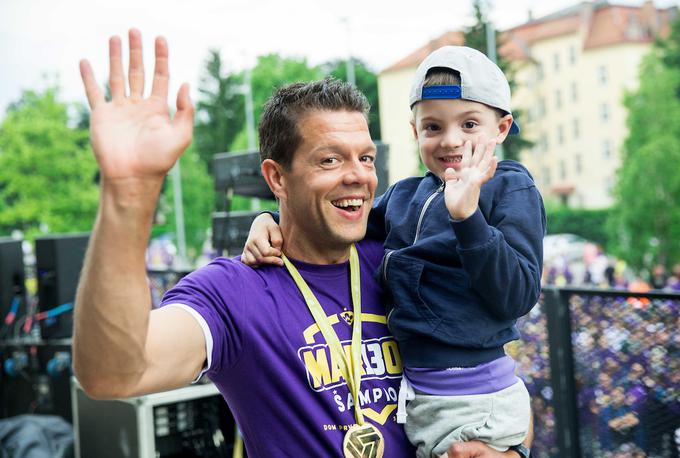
363	441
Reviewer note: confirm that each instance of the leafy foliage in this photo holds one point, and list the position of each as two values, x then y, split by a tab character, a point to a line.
475	37
219	109
47	169
198	198
587	223
645	226
367	82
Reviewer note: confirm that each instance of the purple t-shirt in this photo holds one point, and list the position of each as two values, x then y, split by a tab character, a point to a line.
272	365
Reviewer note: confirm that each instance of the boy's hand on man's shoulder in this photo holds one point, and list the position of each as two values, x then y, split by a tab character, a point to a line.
463	186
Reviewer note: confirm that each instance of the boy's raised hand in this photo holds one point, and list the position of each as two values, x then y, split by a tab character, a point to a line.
264	242
133	137
463	186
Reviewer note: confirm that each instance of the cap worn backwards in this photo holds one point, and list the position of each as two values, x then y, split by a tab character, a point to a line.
480	79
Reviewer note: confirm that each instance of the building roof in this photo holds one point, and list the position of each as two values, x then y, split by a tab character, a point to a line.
625	24
417	56
601	24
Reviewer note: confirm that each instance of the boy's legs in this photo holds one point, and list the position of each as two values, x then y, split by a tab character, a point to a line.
499	419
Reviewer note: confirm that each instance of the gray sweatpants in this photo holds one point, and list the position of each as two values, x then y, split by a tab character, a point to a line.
499	419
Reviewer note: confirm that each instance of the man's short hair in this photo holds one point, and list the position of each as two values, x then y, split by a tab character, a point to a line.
279	132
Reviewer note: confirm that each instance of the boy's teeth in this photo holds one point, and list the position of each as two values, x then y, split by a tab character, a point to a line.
348	203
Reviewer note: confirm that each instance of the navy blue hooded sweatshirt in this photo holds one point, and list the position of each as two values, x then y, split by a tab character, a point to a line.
455	289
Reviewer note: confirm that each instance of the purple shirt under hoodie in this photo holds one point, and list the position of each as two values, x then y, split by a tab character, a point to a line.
272	365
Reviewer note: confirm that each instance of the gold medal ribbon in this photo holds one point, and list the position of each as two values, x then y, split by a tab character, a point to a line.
351	372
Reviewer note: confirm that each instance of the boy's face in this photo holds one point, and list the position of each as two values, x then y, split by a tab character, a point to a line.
442	126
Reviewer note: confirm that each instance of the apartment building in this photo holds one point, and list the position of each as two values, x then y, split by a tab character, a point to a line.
571	70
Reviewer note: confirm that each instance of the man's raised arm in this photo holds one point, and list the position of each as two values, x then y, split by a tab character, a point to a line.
120	347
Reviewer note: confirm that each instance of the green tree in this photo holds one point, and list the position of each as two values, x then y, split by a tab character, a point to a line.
198	200
47	169
475	37
367	82
271	72
645	225
587	223
219	109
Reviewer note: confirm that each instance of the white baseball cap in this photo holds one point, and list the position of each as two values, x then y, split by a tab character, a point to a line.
480	79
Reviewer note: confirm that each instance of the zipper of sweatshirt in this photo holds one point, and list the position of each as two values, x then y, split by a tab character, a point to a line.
385	261
425	207
420	221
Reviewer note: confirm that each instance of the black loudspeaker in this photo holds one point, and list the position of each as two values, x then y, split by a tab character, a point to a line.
230	230
241	173
35	378
12	277
59	259
381	167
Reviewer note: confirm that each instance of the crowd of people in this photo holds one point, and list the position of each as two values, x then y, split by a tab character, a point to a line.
588	265
627	372
627	366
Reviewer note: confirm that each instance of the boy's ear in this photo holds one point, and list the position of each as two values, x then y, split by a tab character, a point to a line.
504	125
274	175
413	129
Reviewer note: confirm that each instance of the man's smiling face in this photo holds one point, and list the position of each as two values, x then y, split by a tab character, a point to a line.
331	182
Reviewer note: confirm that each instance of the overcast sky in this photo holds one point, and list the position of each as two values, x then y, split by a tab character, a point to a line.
42	40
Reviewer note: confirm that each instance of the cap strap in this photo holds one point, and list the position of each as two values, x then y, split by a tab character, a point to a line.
441	92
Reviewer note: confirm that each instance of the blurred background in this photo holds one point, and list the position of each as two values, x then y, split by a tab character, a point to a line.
596	91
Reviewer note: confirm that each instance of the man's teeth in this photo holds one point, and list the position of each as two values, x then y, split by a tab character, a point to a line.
452	158
348	203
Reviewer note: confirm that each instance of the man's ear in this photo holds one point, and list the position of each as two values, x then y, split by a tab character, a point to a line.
413	129
504	125
274	175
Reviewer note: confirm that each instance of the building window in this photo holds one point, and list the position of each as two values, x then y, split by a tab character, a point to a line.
563	170
539	71
609	186
602	76
572	55
578	166
576	128
544	143
541	107
556	62
574	91
546	176
606	149
560	135
558	99
604	112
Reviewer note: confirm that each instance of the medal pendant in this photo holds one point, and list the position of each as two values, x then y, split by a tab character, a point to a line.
365	441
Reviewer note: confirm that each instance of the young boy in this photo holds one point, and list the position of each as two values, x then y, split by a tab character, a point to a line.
462	262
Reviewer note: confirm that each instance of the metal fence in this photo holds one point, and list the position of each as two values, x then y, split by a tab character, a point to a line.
603	369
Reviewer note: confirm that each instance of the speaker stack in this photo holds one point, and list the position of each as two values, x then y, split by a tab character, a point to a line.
236	174
59	259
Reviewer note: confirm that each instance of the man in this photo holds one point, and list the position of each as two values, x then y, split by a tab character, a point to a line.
293	381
